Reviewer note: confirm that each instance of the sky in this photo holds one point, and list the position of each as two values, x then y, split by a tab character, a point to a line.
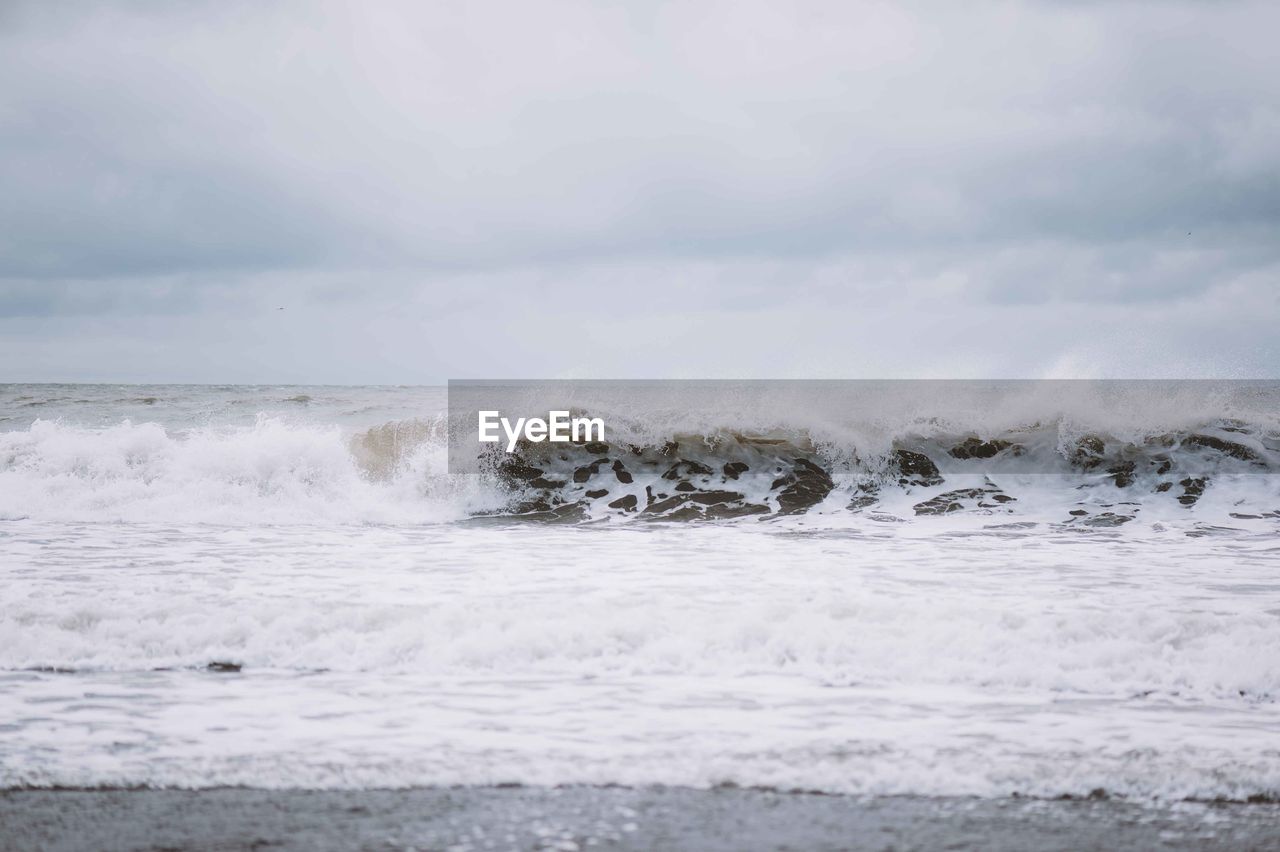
407	192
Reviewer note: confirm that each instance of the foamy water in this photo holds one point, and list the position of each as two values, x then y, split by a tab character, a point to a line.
391	632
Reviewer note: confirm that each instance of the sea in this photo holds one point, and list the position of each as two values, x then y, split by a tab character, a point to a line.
286	587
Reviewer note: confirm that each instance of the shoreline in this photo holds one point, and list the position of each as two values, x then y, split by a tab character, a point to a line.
624	818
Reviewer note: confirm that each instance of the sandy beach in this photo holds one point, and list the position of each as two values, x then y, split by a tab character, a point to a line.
573	818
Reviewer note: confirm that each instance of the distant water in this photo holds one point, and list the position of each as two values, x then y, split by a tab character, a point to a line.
285	587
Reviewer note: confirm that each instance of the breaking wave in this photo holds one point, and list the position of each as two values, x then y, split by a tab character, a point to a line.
281	471
271	472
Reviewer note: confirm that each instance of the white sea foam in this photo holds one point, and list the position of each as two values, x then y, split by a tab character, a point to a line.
270	472
879	661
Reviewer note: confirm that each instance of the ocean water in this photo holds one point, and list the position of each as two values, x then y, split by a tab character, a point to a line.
286	587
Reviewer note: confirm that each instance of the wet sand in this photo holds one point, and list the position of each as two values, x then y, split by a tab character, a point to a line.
579	818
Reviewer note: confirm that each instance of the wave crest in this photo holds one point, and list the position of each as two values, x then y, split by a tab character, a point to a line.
279	471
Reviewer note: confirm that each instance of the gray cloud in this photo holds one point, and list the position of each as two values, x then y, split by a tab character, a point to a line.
563	171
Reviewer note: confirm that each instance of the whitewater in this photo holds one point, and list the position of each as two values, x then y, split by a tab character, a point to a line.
284	587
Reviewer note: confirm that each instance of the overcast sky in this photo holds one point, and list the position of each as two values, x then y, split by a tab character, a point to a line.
705	190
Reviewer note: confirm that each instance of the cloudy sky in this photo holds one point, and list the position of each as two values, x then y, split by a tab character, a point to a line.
409	192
